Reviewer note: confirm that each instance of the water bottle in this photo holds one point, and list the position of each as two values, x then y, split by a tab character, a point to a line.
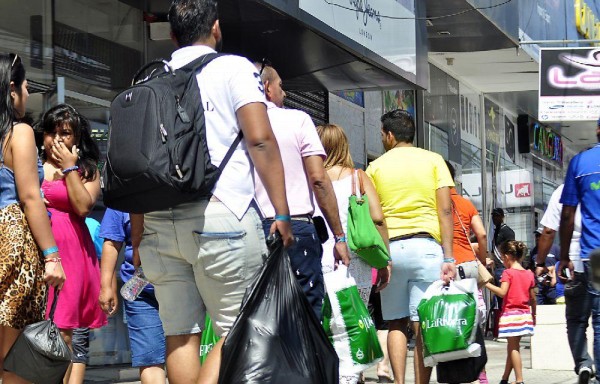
132	289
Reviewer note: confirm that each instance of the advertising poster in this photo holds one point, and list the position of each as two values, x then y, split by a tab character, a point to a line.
569	84
399	99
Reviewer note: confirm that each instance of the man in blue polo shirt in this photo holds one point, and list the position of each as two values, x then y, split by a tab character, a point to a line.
582	186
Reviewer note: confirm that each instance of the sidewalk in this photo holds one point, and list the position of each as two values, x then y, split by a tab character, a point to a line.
496	358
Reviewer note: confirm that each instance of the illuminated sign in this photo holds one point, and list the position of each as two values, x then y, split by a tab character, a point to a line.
569	84
547	143
586	21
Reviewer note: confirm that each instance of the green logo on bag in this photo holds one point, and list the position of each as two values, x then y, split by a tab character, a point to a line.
359	354
443	322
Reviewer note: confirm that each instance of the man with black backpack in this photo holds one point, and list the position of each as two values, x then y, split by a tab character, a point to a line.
201	255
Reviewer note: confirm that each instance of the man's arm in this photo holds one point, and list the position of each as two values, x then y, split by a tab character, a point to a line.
264	152
567	224
137	229
544	245
327	201
444	210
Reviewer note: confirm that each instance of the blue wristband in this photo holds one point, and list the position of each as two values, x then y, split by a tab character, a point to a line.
70	169
449	260
49	251
283	217
340	239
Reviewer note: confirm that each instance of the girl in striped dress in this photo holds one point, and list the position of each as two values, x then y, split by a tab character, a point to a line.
517	317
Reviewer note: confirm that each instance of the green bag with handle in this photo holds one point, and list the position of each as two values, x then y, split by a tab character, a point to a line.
208	339
449	319
348	324
363	237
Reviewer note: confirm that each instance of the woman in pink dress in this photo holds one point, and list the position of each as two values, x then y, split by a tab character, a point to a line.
71	187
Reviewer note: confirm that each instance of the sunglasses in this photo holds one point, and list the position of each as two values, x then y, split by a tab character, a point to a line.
264	63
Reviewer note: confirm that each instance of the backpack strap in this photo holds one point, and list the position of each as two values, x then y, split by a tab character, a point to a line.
230	151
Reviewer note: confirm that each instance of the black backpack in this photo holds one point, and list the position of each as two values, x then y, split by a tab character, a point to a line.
157	156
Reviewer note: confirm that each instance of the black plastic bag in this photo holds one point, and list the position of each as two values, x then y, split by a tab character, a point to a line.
277	337
463	370
40	355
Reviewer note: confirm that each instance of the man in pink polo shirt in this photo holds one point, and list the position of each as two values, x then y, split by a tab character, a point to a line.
302	154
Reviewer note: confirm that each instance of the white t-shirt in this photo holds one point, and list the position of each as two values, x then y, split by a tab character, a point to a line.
551	220
297	138
226	84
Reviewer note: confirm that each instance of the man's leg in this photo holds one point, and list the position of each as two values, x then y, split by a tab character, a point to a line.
397	343
230	252
167	242
422	373
183	362
577	312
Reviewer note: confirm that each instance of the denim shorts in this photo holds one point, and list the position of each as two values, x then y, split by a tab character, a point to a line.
146	335
201	258
416	263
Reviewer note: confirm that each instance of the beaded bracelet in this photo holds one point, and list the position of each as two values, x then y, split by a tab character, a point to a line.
70	169
52	260
283	217
49	251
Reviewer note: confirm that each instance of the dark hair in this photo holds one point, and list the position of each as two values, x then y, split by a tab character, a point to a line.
517	249
192	20
401	124
451	169
11	69
89	154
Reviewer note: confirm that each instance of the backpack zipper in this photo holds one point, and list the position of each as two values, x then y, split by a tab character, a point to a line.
178	170
163	133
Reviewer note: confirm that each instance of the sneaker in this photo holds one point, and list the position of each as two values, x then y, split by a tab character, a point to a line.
585	374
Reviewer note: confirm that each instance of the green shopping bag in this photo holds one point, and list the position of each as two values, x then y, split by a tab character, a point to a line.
208	339
449	318
363	237
348	324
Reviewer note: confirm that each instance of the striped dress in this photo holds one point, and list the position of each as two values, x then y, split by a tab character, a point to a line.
516	318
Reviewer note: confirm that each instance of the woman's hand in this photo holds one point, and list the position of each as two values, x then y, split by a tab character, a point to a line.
62	156
54	274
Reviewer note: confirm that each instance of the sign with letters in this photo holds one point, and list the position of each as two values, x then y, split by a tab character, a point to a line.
569	84
377	25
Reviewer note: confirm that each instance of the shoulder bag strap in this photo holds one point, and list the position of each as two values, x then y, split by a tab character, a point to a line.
358	189
463	228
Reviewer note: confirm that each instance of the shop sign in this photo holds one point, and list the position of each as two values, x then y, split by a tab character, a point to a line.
492	126
517	188
547	143
569	84
470	114
586	21
363	22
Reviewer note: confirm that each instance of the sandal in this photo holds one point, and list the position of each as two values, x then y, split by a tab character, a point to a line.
384	379
503	381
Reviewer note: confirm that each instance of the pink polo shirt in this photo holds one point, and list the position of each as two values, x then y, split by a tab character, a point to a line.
297	138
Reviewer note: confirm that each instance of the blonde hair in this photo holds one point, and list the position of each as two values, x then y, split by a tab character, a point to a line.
336	146
517	249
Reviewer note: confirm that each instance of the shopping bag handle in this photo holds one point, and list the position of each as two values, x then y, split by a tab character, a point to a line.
53	308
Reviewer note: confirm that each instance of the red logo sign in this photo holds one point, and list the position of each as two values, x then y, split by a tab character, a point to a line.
523	190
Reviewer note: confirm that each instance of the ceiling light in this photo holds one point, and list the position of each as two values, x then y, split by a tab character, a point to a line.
444	33
428	23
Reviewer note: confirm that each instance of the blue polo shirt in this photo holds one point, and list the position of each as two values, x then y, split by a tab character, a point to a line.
582	185
117	227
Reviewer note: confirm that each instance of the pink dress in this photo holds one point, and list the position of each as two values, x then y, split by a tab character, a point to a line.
78	300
